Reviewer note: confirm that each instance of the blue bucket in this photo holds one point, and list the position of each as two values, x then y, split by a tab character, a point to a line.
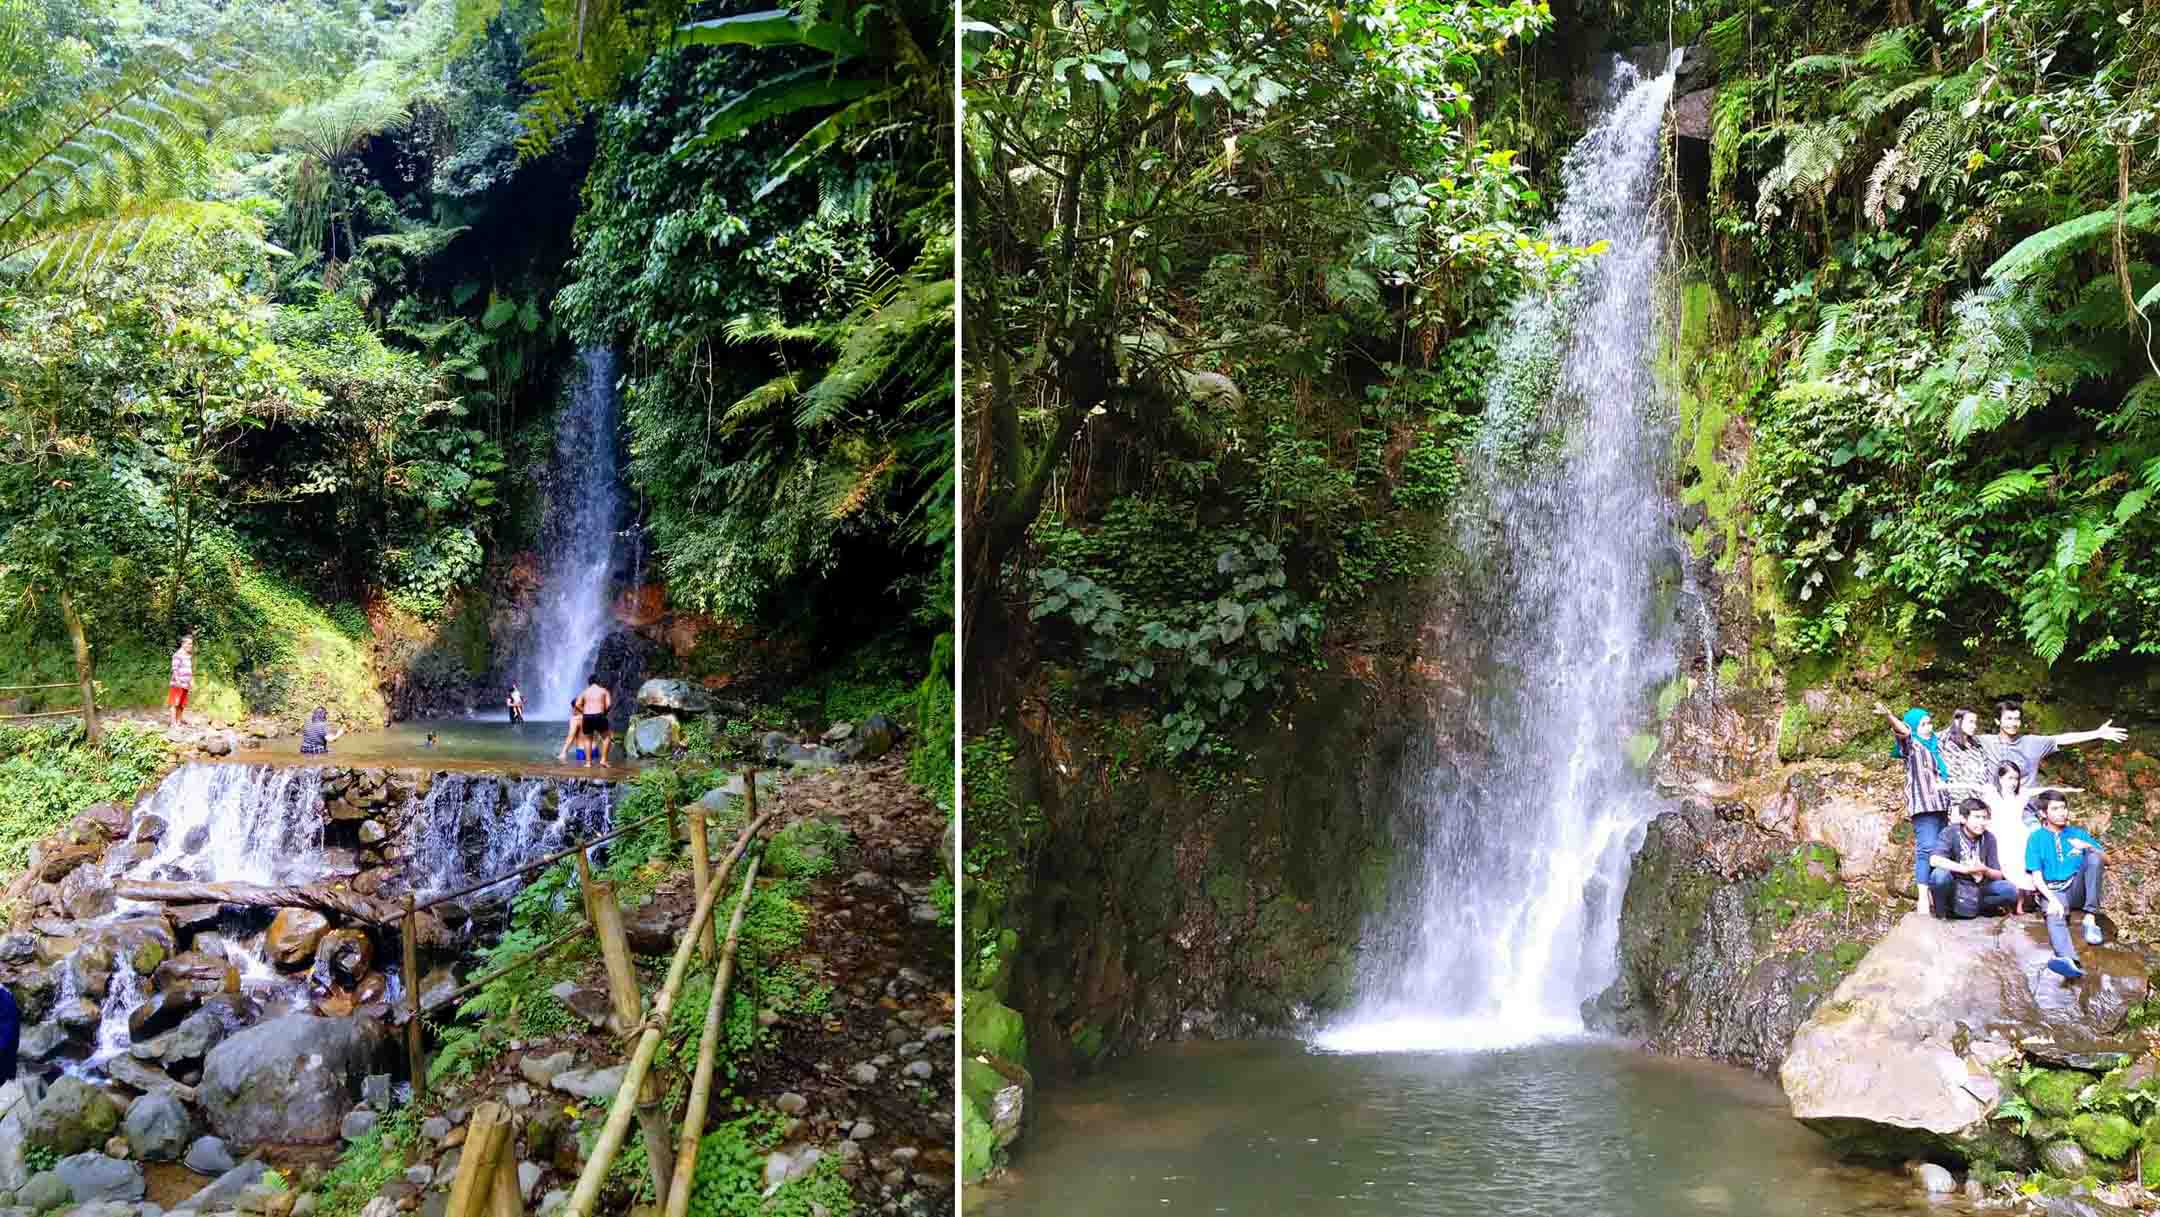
580	754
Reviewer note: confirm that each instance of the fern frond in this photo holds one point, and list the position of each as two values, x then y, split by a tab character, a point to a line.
1890	50
1728	39
1814	157
754	404
1873	106
2050	245
2013	485
863	119
1808	65
802	89
137	138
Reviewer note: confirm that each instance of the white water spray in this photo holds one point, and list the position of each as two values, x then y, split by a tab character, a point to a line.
584	511
1522	859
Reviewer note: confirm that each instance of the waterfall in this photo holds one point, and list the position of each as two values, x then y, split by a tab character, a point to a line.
585	510
1511	918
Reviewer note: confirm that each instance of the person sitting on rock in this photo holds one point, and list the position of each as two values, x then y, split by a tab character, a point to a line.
2027	751
2006	797
1966	868
1925	801
2066	864
316	735
10	1035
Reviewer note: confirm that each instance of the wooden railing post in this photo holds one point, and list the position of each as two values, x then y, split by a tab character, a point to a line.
653	1123
415	1055
485	1139
615	950
585	888
701	875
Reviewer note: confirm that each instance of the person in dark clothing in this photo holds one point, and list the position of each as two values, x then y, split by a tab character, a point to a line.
1966	868
10	1034
315	737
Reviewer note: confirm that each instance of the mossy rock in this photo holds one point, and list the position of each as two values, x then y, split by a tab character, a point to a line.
990	1026
977	1150
2106	1136
2055	1091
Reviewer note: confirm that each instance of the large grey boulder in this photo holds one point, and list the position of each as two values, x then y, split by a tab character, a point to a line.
662	694
72	1117
655	736
1898	1062
158	1127
17	1100
94	1177
224	1191
288	1080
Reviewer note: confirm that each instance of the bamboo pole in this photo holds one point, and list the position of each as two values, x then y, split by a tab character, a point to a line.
648	1045
653	1125
615	950
484	1139
415	1056
506	1198
693	1129
701	874
584	883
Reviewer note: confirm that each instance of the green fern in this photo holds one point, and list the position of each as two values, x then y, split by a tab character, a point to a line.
2014	485
96	175
1814	157
2050	245
1728	39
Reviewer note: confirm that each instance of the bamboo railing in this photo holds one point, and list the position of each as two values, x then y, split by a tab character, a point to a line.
487	1172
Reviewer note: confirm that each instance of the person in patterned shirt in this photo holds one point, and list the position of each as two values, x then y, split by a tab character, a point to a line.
183	677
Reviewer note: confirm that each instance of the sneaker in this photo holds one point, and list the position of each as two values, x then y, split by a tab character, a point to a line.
2065	968
2093	936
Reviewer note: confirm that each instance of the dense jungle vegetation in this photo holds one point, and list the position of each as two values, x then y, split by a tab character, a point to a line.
290	291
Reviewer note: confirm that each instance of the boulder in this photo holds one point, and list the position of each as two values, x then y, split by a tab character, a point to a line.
1892	1065
208	1156
1857	829
658	735
288	1080
86	893
873	738
342	958
294	935
17	1100
161	1012
93	1177
158	1128
74	1116
45	1191
223	1193
661	694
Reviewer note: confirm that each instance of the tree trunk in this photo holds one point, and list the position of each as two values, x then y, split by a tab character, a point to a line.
350	905
85	672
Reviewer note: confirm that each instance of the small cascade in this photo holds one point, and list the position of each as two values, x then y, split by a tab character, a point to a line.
299	825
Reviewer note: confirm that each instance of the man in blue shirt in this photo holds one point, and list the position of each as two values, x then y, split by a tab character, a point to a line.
2065	863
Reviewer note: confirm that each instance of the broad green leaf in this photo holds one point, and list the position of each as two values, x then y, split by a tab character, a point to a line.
772	27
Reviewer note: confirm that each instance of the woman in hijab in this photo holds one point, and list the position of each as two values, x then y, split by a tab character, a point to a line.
315	737
1925	799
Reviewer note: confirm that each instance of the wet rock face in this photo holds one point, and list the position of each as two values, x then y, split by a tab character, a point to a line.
1899	1061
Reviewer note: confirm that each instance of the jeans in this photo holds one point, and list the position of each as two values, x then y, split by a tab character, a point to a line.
1994	893
2081	892
1927	829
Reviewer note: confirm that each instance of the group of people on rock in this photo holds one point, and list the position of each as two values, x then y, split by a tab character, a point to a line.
1986	836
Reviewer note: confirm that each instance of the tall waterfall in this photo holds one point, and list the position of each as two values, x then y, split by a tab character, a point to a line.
585	510
1522	857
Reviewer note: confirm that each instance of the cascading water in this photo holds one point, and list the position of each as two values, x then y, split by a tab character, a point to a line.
585	509
1522	858
269	824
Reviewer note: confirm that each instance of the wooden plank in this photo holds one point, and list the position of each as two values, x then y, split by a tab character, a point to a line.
415	1051
701	874
693	1129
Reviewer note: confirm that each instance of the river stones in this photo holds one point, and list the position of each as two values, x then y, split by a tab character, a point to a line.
294	935
342	958
872	739
158	1128
17	1100
287	1080
161	1012
72	1117
1888	1067
92	1178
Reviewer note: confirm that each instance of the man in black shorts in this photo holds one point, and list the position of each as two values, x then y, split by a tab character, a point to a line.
592	708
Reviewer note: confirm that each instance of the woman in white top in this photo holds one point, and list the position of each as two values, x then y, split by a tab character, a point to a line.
2006	797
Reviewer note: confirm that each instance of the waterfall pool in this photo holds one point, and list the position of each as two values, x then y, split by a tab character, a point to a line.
460	744
1566	1128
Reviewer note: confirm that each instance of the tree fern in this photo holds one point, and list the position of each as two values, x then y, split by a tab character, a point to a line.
1728	40
1814	156
98	169
2013	485
1890	51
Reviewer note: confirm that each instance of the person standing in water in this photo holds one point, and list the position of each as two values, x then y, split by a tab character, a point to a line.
516	702
183	677
315	737
590	714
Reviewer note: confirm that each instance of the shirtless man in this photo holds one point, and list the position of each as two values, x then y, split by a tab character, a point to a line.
591	708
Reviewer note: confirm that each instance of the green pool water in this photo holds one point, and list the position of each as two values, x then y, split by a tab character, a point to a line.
459	743
1580	1129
